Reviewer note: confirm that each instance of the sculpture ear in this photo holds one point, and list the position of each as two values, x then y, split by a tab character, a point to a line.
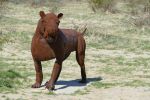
42	14
60	15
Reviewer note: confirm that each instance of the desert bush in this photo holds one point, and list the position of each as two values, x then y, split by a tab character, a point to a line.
44	2
2	7
141	20
2	1
104	5
138	6
135	6
53	5
140	12
35	3
18	1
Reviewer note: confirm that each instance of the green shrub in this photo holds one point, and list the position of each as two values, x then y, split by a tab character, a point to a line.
10	74
9	79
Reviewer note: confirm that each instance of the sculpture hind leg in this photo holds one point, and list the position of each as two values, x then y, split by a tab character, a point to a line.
80	55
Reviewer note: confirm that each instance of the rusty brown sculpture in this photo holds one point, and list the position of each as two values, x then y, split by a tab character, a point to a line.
50	42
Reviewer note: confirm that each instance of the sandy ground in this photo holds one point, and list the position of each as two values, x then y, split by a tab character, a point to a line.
115	93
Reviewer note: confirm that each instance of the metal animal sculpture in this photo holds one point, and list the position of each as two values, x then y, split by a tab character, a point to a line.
50	42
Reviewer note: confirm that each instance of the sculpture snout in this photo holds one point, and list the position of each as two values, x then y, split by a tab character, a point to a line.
50	39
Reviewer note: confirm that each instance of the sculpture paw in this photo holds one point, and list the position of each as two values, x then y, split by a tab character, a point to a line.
49	86
36	85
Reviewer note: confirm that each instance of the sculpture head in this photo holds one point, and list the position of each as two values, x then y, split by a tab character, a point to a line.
49	25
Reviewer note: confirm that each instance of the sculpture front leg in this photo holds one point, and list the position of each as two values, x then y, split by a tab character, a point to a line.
39	74
50	85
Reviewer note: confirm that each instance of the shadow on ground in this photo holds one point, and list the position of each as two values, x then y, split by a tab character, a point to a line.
75	83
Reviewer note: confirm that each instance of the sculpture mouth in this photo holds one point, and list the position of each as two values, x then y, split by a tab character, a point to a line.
50	40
